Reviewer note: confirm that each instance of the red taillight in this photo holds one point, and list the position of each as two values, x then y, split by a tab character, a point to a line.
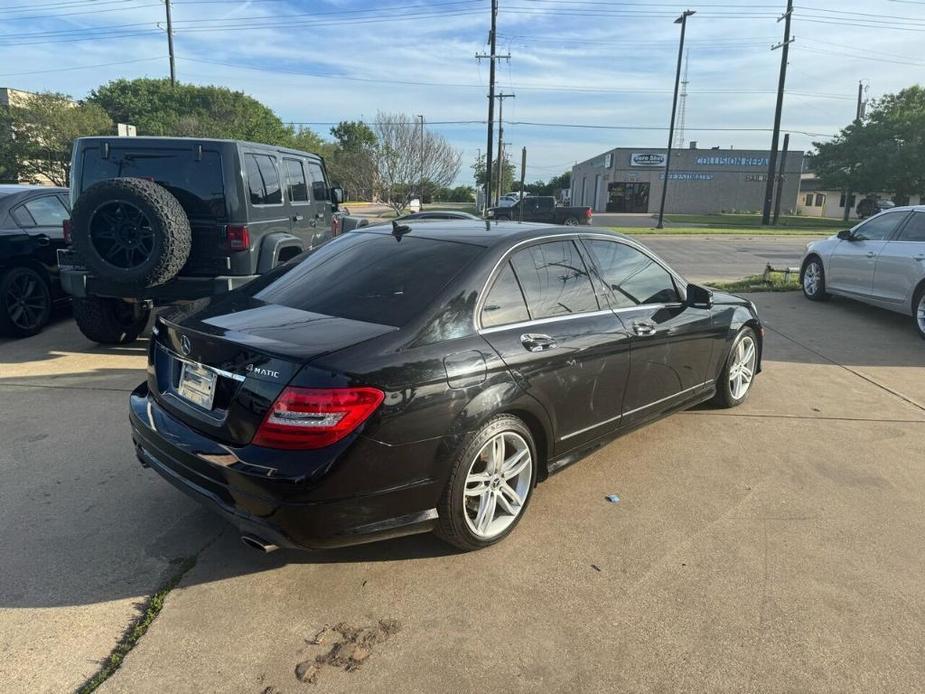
588	213
66	229
237	237
316	417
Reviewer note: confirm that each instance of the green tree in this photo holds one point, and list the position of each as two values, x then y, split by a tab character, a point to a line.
157	107
41	130
354	136
885	151
507	174
352	159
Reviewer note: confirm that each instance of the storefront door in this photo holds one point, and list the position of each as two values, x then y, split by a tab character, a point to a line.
628	197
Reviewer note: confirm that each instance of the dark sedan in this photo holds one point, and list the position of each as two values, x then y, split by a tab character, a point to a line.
31	232
410	378
437	216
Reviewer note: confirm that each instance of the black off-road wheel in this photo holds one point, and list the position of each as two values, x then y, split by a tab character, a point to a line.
131	231
490	485
25	302
110	321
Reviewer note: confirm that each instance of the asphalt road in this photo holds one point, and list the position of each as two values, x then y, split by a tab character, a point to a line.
725	258
773	548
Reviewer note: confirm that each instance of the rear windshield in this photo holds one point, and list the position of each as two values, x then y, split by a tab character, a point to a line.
369	277
196	183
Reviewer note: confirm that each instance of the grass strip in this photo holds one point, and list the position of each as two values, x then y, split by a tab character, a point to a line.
136	629
757	283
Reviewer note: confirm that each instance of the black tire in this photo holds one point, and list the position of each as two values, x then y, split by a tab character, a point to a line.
725	397
25	302
452	526
571	221
110	321
816	290
131	231
918	311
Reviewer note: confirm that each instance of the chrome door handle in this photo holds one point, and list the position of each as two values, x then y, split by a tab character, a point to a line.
870	254
297	218
537	343
643	327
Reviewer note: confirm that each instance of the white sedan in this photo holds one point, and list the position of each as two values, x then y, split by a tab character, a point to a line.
881	261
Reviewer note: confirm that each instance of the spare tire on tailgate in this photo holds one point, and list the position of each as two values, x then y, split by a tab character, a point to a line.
131	231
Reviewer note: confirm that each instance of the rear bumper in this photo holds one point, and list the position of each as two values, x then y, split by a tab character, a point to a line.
297	511
80	283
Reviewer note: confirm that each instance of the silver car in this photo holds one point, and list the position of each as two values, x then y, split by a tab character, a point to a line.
881	261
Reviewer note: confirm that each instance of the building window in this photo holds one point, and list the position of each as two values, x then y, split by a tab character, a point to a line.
809	200
851	200
820	199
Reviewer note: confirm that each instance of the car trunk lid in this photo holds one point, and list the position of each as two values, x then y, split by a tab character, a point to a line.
220	371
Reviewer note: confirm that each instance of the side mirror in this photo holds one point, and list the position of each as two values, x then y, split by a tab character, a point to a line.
846	235
337	195
699	297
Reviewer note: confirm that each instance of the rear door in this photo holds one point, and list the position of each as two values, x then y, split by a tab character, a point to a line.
851	266
671	342
267	211
42	218
901	263
542	317
321	202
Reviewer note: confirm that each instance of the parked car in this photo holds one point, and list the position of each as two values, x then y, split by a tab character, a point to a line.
425	377
880	261
439	215
542	208
161	220
31	219
507	200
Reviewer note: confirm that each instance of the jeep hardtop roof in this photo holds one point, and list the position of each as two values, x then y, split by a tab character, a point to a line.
148	139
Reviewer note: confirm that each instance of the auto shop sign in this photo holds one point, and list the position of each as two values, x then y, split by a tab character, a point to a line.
647	159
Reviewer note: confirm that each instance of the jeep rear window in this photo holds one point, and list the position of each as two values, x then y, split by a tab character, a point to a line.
197	184
367	277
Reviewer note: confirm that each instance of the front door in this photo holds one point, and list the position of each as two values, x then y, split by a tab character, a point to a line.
851	266
542	317
901	263
671	344
628	197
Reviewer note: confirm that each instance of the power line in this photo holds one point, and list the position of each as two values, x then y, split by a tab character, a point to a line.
80	67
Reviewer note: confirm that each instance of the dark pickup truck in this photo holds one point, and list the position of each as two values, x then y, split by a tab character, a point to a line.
542	209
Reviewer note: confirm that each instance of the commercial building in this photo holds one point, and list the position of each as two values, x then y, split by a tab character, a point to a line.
701	181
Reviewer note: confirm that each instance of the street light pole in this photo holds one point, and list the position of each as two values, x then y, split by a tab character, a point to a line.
682	20
421	180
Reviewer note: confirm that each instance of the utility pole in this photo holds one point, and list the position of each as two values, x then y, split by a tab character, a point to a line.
421	180
682	20
523	176
780	177
775	137
501	97
173	66
492	58
862	102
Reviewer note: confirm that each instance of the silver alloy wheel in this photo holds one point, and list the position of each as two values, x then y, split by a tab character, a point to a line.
571	222
497	484
811	278
920	313
742	369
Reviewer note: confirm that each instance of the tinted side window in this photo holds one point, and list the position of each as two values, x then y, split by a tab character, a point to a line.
879	227
504	303
47	211
22	217
319	187
262	180
633	276
296	186
914	229
554	279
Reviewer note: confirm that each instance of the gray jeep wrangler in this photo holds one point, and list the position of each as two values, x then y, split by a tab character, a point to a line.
164	220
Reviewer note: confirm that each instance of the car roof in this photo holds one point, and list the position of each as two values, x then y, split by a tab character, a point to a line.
11	188
482	232
147	139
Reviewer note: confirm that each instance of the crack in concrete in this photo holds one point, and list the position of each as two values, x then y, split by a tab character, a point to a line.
760	415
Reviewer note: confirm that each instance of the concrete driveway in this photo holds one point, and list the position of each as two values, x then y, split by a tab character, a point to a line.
776	547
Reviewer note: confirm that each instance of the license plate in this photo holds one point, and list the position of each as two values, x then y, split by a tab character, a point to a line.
197	384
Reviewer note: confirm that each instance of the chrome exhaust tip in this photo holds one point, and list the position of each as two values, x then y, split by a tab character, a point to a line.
255	542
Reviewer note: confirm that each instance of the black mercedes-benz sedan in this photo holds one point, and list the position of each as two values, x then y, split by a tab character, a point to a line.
408	378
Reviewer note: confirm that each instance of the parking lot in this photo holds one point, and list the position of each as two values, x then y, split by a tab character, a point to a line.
775	547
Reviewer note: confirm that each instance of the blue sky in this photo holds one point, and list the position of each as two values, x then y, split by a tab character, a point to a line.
595	62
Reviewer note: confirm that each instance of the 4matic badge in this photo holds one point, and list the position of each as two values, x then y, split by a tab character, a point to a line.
260	371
